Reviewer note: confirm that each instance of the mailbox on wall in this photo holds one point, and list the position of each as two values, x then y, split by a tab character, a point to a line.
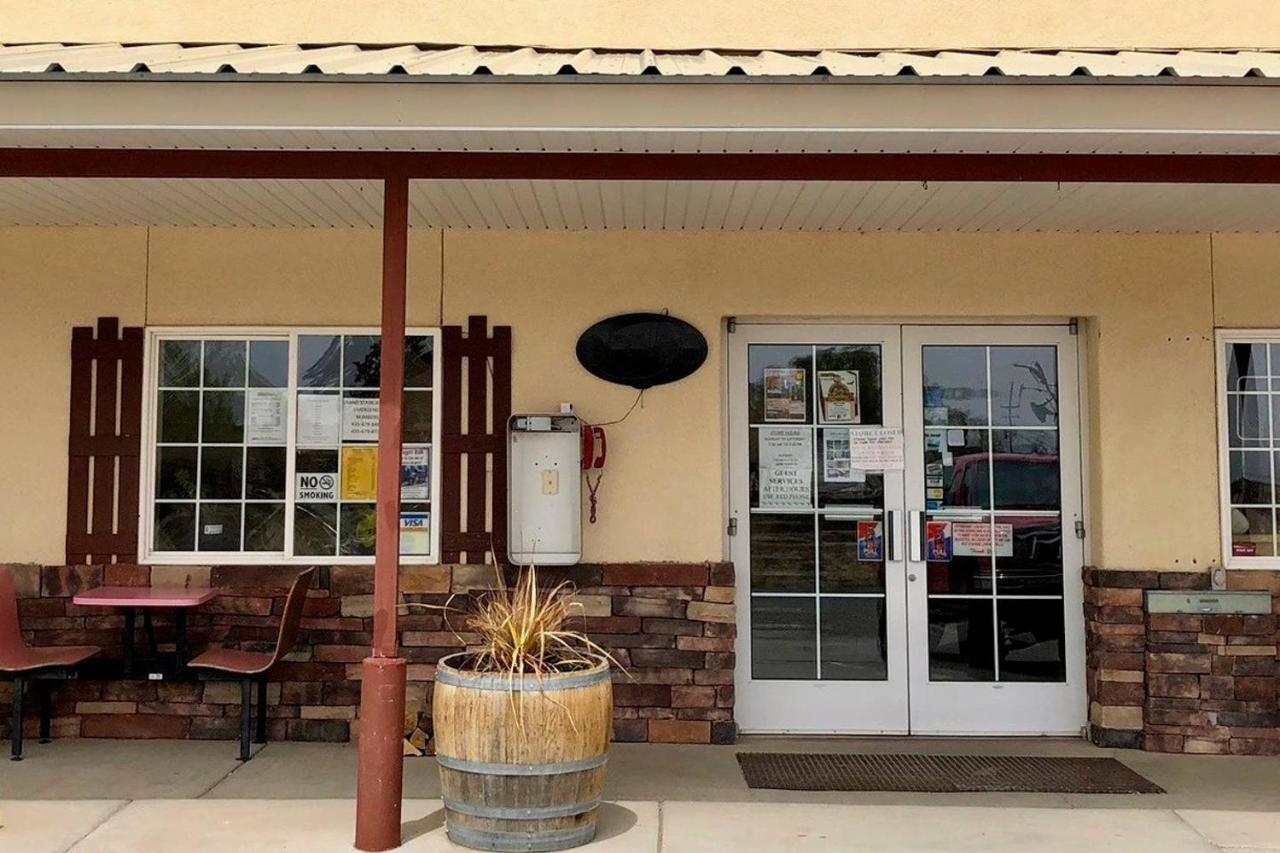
544	490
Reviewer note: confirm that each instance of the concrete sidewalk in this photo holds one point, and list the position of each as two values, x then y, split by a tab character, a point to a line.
96	796
325	826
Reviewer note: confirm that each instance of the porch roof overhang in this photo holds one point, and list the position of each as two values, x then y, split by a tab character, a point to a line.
303	136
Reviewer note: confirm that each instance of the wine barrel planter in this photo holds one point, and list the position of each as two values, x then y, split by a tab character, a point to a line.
522	760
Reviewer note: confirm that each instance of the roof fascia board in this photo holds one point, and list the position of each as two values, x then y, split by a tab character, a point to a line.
707	105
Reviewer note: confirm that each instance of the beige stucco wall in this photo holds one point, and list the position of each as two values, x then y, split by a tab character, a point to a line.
779	24
1148	301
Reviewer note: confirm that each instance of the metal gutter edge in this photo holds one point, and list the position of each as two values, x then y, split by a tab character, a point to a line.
636	79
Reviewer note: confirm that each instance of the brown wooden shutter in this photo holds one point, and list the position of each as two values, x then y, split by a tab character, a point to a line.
483	363
104	444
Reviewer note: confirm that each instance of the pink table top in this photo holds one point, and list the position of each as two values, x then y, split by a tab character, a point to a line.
144	596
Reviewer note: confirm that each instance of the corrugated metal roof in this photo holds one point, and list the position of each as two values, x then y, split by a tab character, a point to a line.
466	60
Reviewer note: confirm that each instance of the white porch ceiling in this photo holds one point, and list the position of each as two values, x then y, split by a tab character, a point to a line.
652	205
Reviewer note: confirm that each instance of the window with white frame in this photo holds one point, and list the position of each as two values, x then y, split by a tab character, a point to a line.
1249	424
261	446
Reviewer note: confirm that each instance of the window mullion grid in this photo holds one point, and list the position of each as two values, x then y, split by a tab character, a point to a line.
815	393
291	452
195	532
1271	443
244	448
991	519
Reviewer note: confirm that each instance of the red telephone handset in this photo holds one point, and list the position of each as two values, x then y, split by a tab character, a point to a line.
594	447
594	450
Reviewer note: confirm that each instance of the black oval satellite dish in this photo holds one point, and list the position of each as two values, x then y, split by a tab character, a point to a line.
642	350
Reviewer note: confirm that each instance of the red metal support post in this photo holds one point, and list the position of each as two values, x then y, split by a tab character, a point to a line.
379	785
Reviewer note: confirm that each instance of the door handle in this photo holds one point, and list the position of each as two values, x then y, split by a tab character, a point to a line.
916	531
891	535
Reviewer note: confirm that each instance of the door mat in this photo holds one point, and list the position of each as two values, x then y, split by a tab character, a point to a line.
940	773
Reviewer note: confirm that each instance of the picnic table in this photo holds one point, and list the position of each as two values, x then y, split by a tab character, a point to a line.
148	599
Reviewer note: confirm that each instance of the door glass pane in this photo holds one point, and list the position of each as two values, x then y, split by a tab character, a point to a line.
957	468
781	460
1247	367
1031	640
1251	473
782	552
851	554
1248	423
1025	469
964	570
784	638
781	383
853	639
1024	386
1028	551
961	644
839	483
955	385
1251	532
849	385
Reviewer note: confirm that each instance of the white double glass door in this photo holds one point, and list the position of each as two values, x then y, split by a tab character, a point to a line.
937	589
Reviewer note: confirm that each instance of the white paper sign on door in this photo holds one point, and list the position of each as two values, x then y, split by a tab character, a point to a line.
319	418
876	449
359	419
265	416
974	539
786	467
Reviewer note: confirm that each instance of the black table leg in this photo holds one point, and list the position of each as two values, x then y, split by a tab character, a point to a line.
180	641
46	710
129	625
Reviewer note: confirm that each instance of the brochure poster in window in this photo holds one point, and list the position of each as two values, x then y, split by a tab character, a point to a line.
266	416
415	473
359	473
319	420
870	541
786	467
937	540
784	394
837	463
839	392
359	419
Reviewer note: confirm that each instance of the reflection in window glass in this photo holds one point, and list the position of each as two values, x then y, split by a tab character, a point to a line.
853	644
1032	641
1251	412
784	636
955	385
1024	386
961	639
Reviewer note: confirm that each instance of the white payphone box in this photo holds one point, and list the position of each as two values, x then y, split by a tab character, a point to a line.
544	489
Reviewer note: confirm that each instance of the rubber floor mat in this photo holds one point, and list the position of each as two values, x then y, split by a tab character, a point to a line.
940	773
